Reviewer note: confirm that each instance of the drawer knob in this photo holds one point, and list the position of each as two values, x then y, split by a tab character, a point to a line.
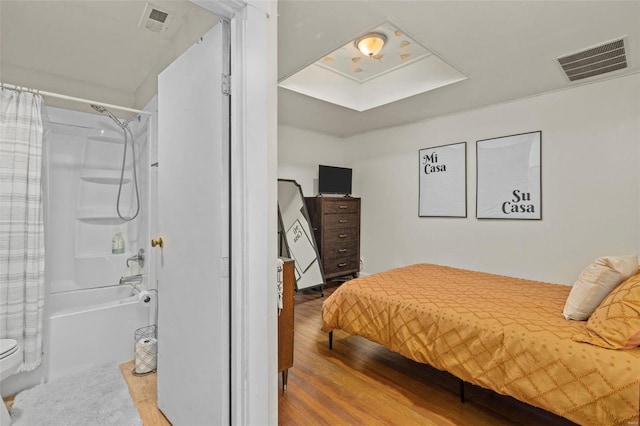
342	221
343	207
342	265
342	250
342	236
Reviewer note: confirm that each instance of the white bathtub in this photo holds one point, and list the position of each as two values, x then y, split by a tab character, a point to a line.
88	328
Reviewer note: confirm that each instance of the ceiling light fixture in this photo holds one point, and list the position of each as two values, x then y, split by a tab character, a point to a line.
371	43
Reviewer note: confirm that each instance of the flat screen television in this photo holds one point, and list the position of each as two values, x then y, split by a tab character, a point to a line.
334	180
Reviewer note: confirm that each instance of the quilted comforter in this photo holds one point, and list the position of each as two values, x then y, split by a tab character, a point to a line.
501	333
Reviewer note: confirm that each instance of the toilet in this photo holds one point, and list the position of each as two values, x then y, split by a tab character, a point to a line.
10	359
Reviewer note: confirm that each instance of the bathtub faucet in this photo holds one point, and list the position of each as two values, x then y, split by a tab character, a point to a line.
137	258
131	279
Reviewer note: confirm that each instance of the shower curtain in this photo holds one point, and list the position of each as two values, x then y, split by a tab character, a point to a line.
21	223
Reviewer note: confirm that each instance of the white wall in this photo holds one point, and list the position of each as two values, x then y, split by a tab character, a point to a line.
590	186
301	151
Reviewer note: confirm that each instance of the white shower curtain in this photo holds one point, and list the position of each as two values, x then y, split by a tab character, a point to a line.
21	223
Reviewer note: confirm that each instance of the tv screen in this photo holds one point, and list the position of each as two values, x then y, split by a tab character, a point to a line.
334	180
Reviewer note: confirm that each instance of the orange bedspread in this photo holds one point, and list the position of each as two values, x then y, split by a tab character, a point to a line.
501	333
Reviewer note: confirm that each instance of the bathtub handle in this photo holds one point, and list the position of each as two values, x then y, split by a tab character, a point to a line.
137	258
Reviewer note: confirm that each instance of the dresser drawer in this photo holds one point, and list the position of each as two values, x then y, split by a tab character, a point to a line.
341	220
339	235
346	205
344	249
346	264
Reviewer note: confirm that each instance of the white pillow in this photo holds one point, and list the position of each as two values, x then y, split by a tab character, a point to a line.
596	282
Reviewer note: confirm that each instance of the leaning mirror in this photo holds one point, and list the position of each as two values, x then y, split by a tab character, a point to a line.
296	235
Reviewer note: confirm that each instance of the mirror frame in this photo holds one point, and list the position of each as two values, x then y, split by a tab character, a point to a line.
282	237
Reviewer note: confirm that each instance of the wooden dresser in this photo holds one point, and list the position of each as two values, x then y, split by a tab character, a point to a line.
285	322
336	225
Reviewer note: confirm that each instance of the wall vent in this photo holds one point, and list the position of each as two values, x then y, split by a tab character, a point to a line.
154	19
600	59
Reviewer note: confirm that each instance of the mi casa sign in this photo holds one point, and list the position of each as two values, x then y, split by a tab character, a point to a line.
443	181
431	165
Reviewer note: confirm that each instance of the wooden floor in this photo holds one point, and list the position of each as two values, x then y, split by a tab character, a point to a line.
362	383
143	390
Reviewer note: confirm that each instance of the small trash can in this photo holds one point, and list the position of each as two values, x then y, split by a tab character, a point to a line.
145	350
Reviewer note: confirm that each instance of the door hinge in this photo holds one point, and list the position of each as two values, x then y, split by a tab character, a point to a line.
226	84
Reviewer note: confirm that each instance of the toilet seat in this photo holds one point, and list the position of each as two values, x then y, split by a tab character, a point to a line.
7	347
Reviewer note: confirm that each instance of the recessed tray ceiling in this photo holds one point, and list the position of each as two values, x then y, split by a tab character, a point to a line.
351	79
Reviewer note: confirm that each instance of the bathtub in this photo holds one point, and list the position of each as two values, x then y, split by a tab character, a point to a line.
88	328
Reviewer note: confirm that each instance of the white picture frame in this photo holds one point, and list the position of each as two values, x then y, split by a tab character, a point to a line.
508	177
443	181
301	248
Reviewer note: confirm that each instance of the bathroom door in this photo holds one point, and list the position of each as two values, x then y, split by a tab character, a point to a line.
193	220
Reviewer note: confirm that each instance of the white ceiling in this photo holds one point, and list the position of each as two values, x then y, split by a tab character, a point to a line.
507	48
94	49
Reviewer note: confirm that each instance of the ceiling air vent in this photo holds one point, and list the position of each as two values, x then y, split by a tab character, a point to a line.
593	61
154	19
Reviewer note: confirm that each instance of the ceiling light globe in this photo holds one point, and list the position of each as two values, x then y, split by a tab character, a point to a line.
371	44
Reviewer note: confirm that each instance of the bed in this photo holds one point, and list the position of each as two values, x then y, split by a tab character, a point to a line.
501	333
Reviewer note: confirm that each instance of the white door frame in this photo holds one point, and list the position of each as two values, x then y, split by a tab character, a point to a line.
254	378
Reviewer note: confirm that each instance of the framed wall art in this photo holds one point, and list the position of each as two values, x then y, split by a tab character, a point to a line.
508	177
443	181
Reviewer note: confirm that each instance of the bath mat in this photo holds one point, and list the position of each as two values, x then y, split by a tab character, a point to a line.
99	396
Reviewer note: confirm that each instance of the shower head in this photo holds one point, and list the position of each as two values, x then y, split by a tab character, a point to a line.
103	110
99	108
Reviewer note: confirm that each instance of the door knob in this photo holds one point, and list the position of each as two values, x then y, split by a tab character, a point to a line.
157	242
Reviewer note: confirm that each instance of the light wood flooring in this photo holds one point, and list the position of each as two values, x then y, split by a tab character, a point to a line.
143	390
361	383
